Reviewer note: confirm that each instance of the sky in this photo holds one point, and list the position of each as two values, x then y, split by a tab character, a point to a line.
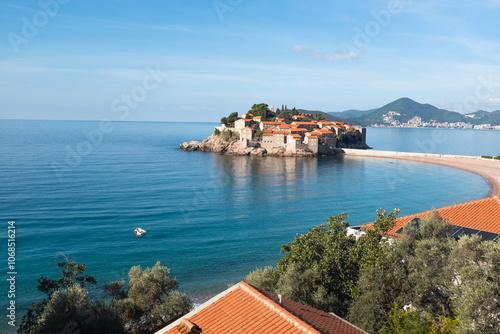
186	60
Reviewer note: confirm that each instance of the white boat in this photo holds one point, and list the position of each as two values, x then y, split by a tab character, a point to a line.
139	231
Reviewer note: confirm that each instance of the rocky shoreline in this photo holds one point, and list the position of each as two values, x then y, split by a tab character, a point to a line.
218	145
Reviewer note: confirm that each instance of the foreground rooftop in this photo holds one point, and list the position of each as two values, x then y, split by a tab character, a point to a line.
246	309
482	215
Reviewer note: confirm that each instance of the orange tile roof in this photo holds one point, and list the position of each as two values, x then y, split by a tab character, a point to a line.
482	214
246	309
285	126
272	123
304	123
257	117
298	129
268	134
280	132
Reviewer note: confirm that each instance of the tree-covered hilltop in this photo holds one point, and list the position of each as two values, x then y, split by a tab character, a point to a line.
423	282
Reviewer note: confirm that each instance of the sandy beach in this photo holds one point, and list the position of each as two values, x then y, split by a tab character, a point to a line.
487	168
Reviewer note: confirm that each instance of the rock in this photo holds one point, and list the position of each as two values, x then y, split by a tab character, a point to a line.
258	151
191	146
236	148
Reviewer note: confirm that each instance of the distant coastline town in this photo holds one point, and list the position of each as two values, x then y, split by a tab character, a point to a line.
281	132
406	113
417	122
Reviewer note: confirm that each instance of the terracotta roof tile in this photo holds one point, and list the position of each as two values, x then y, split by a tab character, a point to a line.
246	309
482	214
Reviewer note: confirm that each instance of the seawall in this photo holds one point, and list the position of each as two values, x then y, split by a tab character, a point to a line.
487	168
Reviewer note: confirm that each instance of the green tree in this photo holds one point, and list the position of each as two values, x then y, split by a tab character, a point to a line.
319	117
258	134
400	321
70	310
70	274
152	299
261	110
474	269
385	222
263	278
335	261
294	112
230	119
286	115
413	272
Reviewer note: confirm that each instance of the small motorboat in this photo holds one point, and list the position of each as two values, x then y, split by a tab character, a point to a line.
139	231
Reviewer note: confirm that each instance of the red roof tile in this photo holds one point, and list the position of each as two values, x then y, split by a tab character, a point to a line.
482	214
246	309
272	123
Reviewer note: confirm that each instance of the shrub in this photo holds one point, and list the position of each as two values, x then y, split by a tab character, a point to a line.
217	132
497	157
486	157
226	135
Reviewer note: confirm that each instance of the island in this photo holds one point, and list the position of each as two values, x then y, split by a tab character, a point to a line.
263	131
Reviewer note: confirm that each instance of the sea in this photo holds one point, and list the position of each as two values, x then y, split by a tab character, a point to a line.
80	188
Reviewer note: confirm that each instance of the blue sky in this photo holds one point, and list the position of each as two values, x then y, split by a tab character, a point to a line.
185	60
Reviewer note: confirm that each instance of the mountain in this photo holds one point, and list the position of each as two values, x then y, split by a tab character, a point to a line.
407	109
351	113
327	116
484	117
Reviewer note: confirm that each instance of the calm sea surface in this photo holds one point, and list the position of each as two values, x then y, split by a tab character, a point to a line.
72	188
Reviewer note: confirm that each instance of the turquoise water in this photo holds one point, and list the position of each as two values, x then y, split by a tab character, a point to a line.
210	218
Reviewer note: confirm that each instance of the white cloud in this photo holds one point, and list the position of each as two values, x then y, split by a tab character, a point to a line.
299	48
311	52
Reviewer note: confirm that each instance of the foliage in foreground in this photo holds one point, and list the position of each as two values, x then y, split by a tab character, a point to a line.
150	301
321	268
443	285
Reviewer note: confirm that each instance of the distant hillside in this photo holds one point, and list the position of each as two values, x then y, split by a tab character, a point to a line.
481	117
407	108
327	116
351	113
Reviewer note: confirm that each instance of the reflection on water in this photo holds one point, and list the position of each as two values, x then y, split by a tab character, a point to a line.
262	180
